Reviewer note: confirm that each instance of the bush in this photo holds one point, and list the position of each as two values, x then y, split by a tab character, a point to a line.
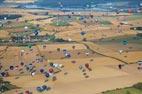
60	40
138	86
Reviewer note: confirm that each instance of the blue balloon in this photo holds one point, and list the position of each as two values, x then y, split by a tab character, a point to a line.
46	74
83	33
39	89
36	33
44	87
125	42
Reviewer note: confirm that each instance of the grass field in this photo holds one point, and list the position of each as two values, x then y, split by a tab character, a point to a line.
135	89
18	25
105	22
60	23
19	28
125	91
130	38
135	17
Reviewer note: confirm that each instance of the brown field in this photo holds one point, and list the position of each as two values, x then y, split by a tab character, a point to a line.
103	59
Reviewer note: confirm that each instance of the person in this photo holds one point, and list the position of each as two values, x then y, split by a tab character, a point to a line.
44	46
73	47
22	63
22	52
120	51
78	53
88	67
54	78
87	53
58	49
73	62
120	66
91	60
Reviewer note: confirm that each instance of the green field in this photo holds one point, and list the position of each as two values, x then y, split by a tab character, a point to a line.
20	25
104	22
130	38
135	89
12	27
125	91
59	23
135	17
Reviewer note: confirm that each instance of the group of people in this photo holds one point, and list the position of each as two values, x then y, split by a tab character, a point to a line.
84	69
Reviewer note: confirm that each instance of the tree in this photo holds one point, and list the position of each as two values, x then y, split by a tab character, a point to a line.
5	85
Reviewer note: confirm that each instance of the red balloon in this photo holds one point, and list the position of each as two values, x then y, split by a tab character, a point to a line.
51	70
27	92
87	65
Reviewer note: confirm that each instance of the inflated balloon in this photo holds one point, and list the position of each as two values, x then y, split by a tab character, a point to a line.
41	70
39	89
26	27
69	39
42	88
51	64
11	67
45	87
125	42
27	92
36	32
46	74
33	73
5	18
51	70
64	50
82	33
68	55
30	46
3	74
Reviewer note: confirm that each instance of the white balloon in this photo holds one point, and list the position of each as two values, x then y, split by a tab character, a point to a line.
22	51
33	73
5	18
120	51
69	39
87	53
25	27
